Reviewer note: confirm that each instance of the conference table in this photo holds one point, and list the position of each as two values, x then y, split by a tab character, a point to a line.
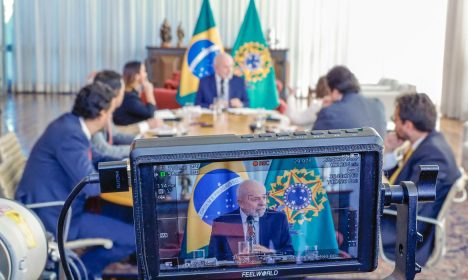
200	123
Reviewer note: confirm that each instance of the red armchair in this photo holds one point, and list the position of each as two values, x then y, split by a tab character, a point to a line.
166	98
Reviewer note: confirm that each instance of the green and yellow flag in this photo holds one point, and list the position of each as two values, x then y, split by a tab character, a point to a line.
253	61
198	59
296	188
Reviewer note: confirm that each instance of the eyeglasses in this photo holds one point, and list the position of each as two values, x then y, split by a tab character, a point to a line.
259	198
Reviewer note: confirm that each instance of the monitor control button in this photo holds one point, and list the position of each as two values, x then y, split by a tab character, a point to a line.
317	132
334	132
300	133
265	135
282	134
248	136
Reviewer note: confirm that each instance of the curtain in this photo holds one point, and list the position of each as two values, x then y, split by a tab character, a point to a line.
57	43
455	78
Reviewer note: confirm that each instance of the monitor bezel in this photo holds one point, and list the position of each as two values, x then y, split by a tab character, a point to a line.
145	215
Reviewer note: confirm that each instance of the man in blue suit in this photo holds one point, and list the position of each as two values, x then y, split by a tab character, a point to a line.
415	119
349	108
228	89
266	230
59	160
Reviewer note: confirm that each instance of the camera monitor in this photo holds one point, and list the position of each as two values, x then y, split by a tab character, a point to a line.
257	205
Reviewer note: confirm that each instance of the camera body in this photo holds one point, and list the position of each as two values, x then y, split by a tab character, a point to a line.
320	204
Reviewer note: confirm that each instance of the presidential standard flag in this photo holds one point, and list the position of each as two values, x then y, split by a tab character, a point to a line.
253	62
213	195
198	59
296	188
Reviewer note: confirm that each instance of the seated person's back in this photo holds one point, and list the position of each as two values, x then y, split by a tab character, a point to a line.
133	109
349	108
223	87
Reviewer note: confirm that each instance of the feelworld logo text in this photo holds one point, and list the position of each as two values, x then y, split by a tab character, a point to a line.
260	273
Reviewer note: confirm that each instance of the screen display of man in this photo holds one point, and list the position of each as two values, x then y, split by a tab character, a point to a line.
263	230
222	88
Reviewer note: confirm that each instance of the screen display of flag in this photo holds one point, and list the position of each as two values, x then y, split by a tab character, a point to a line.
258	212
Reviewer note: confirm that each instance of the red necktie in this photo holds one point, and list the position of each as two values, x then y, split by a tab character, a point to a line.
251	238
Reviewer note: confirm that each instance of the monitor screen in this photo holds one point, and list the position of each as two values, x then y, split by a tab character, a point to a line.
257	212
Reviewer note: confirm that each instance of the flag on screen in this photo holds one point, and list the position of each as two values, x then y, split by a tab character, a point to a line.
213	195
297	189
198	59
253	61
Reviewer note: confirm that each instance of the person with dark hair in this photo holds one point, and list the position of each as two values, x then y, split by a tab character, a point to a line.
133	109
58	161
317	99
415	120
109	141
349	109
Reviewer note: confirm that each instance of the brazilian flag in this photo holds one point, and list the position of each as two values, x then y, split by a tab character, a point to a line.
198	59
253	61
296	188
213	195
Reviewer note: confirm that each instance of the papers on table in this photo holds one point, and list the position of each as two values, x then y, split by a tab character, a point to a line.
164	114
247	111
192	110
164	130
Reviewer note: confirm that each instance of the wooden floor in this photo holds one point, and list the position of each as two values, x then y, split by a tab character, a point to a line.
28	115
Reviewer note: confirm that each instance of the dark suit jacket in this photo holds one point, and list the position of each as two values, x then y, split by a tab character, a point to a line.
133	110
432	150
58	161
207	91
354	110
227	231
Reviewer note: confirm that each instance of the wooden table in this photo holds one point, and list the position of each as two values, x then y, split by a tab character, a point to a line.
206	124
212	124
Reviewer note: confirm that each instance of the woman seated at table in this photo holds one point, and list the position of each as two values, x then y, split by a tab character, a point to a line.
133	109
307	117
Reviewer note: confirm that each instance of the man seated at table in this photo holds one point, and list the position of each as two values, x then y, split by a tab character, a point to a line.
58	161
266	229
227	89
415	120
109	141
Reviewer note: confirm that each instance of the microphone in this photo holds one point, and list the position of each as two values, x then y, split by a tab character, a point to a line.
250	233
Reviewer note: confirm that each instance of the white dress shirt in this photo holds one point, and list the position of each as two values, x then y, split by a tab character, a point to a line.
391	159
305	118
225	86
85	129
256	226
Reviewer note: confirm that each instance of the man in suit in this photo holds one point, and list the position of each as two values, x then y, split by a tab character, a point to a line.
229	90
415	119
265	230
59	160
349	109
109	141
